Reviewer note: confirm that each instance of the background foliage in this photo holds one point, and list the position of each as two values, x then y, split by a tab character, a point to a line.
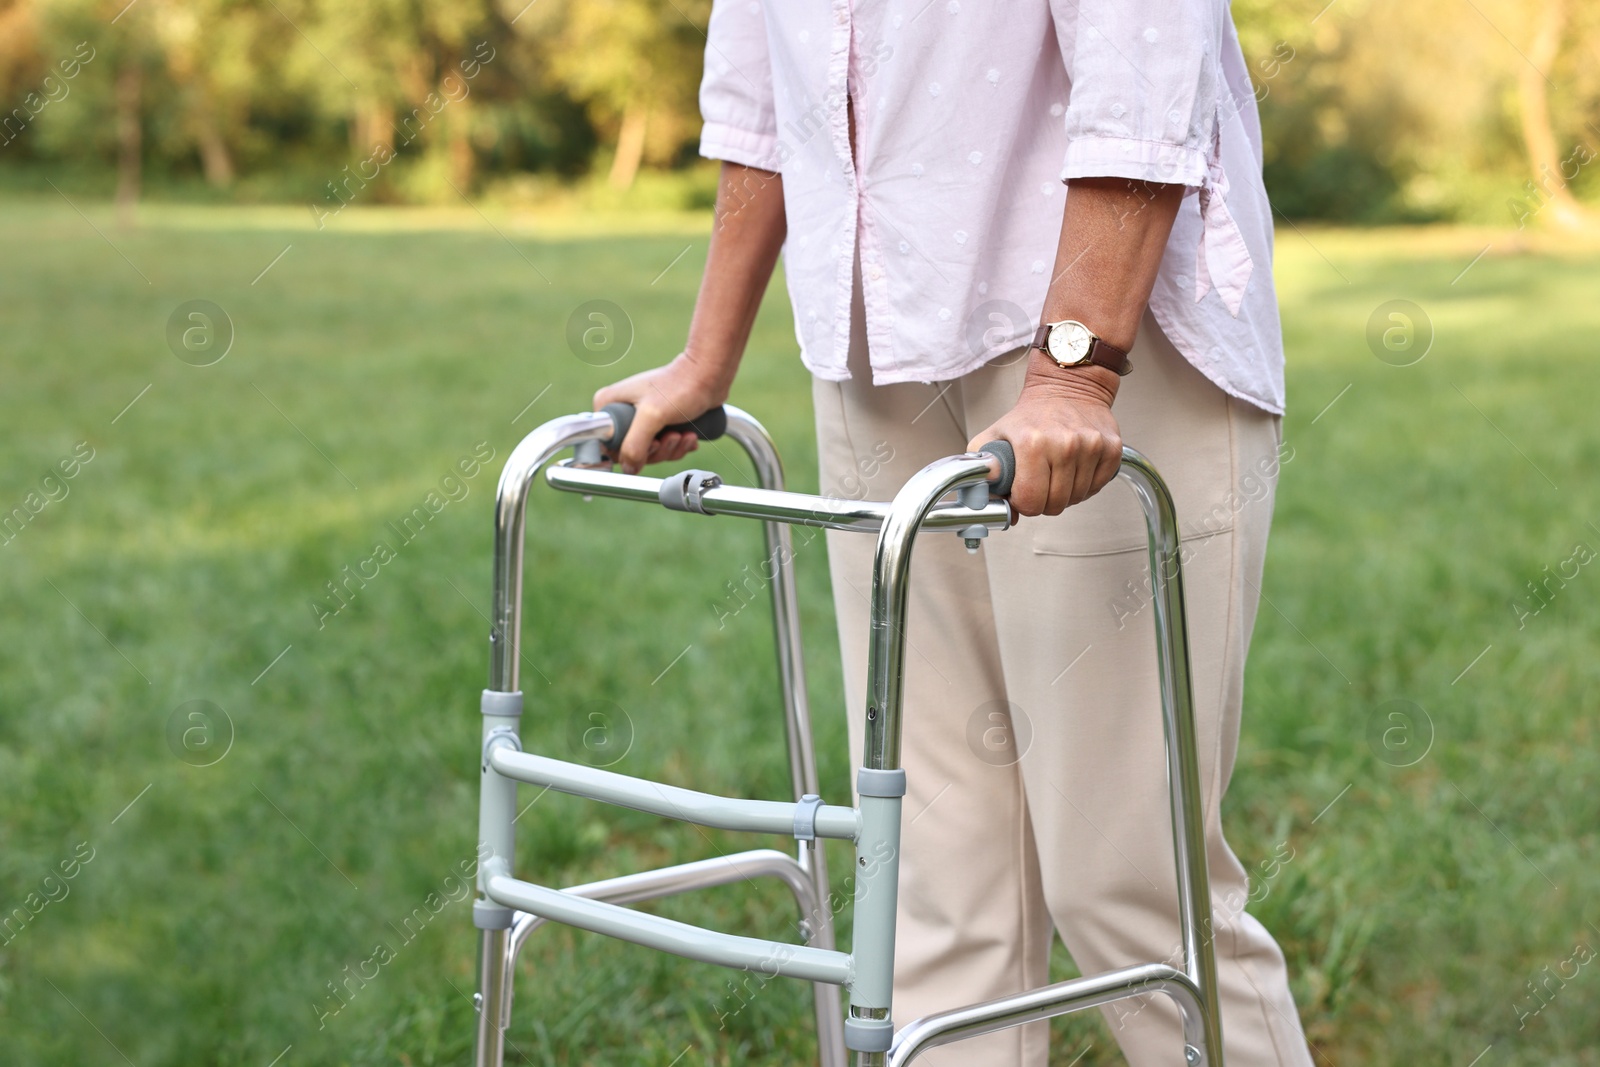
1435	109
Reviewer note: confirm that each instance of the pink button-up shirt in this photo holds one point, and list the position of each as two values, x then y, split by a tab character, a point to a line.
969	115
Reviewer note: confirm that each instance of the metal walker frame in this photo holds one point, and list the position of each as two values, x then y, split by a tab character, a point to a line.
508	909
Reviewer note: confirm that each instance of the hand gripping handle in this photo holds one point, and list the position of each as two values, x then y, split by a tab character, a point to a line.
710	426
1001	451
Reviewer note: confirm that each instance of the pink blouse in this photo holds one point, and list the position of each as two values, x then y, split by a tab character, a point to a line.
970	114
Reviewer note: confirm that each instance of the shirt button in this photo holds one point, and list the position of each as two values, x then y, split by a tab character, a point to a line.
875	273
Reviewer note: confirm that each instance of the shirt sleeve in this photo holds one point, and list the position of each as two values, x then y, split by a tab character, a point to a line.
1145	80
736	90
1147	103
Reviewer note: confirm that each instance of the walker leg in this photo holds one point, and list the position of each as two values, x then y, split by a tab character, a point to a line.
489	1048
1203	1034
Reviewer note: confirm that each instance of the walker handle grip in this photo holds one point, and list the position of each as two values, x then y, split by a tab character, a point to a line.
708	427
1002	451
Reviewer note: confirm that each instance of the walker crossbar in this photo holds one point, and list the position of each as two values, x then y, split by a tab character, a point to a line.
670	881
670	801
798	509
668	935
508	909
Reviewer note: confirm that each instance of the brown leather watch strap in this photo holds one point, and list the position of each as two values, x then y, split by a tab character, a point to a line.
1110	357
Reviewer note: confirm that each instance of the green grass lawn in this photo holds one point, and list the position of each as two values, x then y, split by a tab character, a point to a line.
1428	910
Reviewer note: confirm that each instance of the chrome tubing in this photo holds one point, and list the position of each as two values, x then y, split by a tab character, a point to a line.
799	509
975	1020
682	878
1178	722
496	795
886	651
510	515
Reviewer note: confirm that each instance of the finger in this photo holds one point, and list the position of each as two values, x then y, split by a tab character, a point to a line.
666	448
612	393
639	443
1063	479
1030	490
687	443
681	445
1087	455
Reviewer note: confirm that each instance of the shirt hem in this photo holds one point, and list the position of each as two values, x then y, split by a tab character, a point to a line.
1271	407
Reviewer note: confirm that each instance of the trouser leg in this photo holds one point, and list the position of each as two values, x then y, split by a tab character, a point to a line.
971	923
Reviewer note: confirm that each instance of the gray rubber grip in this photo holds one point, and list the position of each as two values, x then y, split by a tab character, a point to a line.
1001	450
708	427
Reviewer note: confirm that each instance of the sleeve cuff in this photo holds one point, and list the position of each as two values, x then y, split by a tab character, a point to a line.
718	140
1127	157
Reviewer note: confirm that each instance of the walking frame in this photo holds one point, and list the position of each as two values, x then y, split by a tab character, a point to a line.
508	910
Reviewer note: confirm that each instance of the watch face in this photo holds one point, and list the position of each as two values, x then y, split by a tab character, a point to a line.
1069	342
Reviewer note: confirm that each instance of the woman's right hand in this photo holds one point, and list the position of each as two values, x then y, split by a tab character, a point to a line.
678	392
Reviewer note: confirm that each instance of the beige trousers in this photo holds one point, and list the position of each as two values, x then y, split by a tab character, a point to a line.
1033	740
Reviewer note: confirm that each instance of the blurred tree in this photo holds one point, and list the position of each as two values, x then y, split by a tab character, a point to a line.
20	61
635	64
1552	169
198	49
1371	112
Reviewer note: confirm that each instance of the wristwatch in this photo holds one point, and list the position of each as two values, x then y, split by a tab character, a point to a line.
1072	344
